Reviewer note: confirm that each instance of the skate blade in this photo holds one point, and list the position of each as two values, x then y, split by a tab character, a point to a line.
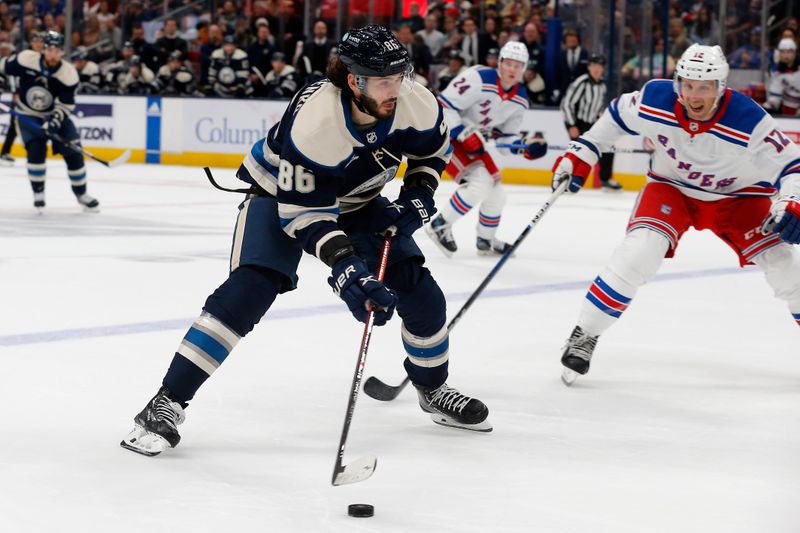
568	376
141	441
435	239
482	427
87	209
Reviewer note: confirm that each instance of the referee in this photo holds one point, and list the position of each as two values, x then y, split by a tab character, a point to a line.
583	103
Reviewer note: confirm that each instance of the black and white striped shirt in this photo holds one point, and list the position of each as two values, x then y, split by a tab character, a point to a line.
584	101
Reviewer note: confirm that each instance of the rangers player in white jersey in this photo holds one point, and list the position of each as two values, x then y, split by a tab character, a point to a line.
784	85
479	104
719	160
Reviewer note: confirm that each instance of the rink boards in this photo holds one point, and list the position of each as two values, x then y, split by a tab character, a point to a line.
217	132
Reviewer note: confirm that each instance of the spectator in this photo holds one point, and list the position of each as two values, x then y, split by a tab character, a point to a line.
490	28
260	52
433	38
51	7
705	29
314	52
227	17
104	12
414	20
678	37
417	51
88	72
516	11
283	80
138	80
452	37
640	69
91	31
174	78
133	17
530	37
215	38
142	48
229	72
475	43
572	62
534	84
455	66
170	42
748	56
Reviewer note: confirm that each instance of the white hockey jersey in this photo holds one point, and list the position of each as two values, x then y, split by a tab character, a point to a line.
739	152
476	98
784	92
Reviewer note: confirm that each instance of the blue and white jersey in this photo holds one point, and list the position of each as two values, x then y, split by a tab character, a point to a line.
41	89
318	163
738	152
476	98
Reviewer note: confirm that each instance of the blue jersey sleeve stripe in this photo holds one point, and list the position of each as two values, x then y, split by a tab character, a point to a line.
614	112
588	145
448	102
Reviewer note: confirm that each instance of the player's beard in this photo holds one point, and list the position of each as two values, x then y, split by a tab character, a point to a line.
375	108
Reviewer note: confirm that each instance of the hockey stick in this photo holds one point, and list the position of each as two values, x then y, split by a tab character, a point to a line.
614	149
361	468
74	147
377	389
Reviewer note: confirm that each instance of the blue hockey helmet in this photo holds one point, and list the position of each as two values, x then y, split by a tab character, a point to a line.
53	38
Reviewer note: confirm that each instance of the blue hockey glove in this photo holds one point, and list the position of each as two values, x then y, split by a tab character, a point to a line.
413	209
784	219
353	283
535	147
55	120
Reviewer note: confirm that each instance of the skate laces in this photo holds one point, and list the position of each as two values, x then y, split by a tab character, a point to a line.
449	398
169	411
581	343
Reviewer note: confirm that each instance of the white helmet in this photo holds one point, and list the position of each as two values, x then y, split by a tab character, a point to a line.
787	44
514	50
700	62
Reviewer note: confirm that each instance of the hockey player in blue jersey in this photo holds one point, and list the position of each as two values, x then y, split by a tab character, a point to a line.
317	180
47	86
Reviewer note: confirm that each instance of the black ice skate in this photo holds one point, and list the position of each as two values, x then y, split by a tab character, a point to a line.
6	160
156	426
448	407
89	203
577	354
441	233
491	247
38	201
611	185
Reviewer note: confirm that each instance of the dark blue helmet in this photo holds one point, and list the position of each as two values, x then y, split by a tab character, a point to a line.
373	51
53	38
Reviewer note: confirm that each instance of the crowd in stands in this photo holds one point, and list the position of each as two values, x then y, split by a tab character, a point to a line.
257	48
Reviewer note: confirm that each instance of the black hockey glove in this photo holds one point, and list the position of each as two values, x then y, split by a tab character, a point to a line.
413	209
55	120
353	283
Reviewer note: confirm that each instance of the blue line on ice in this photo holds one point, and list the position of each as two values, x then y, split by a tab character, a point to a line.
280	314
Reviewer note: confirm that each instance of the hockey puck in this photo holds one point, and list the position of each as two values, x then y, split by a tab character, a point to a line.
360	510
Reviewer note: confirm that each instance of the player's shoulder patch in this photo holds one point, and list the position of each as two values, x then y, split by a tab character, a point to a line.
742	113
659	94
418	110
29	59
318	131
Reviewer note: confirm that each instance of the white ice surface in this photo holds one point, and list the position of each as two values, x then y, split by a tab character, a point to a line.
688	422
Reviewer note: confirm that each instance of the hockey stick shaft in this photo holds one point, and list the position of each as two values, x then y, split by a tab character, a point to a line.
613	150
338	469
384	392
59	139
